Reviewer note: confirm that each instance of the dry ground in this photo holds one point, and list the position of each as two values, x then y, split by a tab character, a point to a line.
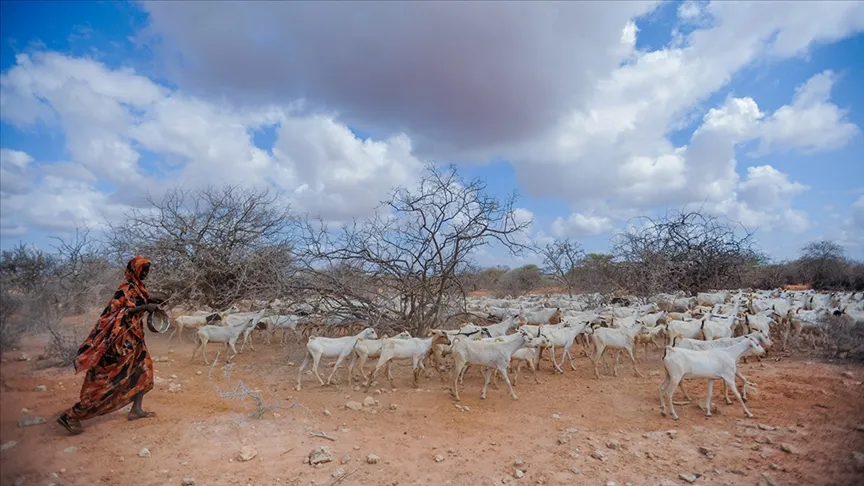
554	428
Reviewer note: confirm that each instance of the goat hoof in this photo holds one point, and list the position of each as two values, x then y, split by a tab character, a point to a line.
662	413
674	417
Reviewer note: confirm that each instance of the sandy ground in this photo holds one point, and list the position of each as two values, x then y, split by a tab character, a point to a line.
555	429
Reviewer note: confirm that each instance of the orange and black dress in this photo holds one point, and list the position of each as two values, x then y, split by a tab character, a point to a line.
114	354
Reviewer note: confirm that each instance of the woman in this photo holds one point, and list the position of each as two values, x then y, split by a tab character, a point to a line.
119	368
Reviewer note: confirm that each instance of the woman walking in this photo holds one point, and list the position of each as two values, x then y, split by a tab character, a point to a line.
119	368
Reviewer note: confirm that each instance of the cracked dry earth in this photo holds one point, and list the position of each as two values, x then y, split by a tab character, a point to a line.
571	429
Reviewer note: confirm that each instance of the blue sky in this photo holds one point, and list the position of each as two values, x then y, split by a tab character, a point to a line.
593	117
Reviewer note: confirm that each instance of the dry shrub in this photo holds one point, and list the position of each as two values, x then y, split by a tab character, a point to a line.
11	327
63	345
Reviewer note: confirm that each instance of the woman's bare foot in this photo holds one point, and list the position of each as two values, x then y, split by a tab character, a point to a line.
139	414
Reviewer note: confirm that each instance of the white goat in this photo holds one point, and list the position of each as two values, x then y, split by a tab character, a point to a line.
700	345
338	348
369	348
219	334
194	321
415	349
715	363
605	337
493	355
564	337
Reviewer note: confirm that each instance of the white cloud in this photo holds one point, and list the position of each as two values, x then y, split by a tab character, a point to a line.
108	116
438	71
578	224
14	166
811	122
858	215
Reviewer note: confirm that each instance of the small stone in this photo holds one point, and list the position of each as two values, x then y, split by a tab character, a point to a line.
320	455
848	374
653	435
672	433
563	440
369	402
706	452
372	459
765	427
859	427
458	406
393	406
466	408
345	459
773	467
575	470
70	450
188	482
23	357
354	405
858	461
246	454
611	483
599	455
144	452
25	411
788	449
556	416
174	387
518	463
690	478
8	445
338	473
197	373
439	458
518	474
173	377
326	412
41	388
30	421
356	448
377	391
356	388
574	454
613	444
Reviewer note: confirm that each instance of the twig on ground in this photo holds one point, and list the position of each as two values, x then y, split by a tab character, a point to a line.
322	435
342	477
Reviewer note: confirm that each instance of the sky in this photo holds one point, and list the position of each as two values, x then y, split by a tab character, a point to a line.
595	113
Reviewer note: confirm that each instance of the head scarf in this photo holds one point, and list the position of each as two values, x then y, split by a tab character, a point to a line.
113	322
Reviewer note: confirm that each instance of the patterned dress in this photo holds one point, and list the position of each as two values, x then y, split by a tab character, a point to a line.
114	354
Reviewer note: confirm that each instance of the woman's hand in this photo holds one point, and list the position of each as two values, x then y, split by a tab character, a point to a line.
144	308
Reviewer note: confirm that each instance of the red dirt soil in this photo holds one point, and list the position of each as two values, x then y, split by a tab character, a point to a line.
553	428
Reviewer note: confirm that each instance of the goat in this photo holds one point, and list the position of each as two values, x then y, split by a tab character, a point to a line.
711	364
615	339
415	349
338	348
494	355
696	344
369	348
219	334
193	322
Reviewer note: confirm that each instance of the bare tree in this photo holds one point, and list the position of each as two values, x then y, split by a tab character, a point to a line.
212	246
823	264
405	261
692	251
560	258
520	280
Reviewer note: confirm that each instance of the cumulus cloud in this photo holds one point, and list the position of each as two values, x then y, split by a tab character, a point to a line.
811	122
110	117
578	224
455	76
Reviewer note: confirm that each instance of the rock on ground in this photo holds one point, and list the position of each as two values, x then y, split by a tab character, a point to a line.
246	454
30	421
8	445
372	459
354	405
144	452
188	481
320	455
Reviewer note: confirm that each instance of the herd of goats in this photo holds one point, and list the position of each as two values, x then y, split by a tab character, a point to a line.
703	336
